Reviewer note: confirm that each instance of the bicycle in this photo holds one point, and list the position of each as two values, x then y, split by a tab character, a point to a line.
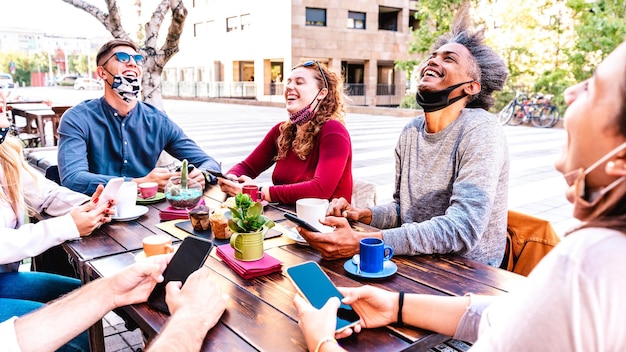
539	111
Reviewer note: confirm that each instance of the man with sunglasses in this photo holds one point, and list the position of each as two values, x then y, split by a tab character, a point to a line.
119	135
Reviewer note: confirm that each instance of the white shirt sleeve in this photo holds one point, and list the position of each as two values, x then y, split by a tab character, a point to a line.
8	336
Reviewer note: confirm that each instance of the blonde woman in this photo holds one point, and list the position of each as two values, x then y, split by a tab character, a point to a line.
312	149
26	193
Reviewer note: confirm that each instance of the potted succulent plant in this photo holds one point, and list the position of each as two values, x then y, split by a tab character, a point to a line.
249	226
182	192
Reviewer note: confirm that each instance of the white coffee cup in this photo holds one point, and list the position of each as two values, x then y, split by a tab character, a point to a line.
312	210
126	199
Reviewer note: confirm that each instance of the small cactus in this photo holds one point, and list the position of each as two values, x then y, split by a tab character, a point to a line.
183	175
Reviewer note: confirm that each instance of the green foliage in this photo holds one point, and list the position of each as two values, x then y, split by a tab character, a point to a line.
247	215
601	28
409	102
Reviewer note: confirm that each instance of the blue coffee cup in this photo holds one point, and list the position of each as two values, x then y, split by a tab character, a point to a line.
373	253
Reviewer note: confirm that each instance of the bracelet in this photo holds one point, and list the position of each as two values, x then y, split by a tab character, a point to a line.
400	304
323	341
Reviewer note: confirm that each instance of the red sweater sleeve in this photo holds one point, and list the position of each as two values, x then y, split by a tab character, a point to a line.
325	173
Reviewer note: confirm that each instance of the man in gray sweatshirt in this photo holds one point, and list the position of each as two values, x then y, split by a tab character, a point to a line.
452	165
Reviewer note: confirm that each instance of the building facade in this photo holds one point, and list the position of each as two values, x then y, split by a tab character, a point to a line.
245	48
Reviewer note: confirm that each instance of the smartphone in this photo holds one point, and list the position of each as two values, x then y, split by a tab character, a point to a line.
315	286
189	257
217	174
111	188
189	168
305	225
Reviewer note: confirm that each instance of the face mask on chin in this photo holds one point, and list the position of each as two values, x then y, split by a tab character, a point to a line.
590	206
126	87
305	114
437	100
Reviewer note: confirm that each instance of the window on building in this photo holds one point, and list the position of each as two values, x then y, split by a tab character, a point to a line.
354	73
385	78
413	23
199	29
388	18
245	21
210	27
315	17
356	20
232	23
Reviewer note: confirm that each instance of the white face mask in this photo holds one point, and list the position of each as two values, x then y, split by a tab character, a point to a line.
127	88
588	207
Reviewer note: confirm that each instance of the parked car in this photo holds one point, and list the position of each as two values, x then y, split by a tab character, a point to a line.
6	81
82	83
66	81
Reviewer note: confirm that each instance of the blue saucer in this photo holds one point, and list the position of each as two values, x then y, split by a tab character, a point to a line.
389	268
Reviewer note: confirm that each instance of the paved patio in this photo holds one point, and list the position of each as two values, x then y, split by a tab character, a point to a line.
229	132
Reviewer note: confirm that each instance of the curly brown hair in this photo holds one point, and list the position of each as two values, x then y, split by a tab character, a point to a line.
332	107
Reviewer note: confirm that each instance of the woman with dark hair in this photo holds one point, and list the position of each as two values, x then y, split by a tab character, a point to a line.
573	300
312	149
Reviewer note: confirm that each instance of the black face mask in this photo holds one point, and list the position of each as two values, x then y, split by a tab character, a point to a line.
433	101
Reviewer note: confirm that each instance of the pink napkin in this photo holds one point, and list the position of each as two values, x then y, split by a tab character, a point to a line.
248	270
171	213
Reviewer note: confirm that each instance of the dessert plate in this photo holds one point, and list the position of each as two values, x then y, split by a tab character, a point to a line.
160	196
389	268
138	211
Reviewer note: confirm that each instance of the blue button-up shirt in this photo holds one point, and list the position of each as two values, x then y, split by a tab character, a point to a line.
97	144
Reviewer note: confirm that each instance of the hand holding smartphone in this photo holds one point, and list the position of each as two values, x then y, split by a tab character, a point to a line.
111	188
189	257
315	286
300	222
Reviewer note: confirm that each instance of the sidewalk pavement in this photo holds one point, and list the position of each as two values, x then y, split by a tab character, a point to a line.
230	132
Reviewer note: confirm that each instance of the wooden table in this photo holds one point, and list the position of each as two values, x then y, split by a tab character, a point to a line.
38	112
260	314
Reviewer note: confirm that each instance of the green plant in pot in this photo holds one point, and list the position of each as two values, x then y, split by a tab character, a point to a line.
182	192
249	226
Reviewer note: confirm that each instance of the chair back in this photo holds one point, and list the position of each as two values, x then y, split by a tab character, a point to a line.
529	239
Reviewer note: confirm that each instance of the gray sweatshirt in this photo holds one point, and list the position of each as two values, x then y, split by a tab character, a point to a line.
451	190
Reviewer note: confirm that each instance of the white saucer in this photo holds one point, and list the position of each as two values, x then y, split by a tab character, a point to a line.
389	268
141	256
138	211
294	235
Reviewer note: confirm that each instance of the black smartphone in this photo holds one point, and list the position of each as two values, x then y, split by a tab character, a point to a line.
189	168
315	286
300	222
189	257
217	174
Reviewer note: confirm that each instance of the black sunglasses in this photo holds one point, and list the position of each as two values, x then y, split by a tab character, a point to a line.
125	58
311	63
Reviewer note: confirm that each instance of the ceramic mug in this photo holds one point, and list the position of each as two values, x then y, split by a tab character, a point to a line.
312	210
126	199
253	192
148	190
157	244
373	252
248	246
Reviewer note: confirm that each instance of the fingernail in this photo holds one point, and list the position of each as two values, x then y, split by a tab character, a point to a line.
95	200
